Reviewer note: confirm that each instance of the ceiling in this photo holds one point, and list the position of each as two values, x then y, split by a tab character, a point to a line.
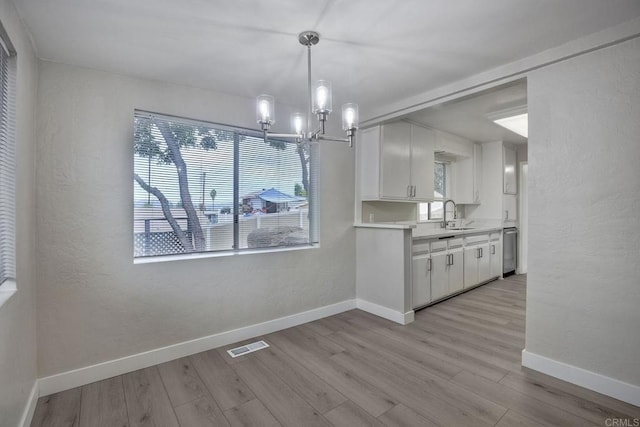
374	51
468	116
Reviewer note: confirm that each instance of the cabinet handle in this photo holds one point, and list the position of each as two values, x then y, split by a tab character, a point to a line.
493	249
414	190
477	252
408	191
428	264
451	259
481	253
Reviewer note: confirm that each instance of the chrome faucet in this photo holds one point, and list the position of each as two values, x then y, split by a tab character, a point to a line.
444	212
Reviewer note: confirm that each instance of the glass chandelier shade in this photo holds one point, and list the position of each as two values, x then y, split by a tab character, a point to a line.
320	103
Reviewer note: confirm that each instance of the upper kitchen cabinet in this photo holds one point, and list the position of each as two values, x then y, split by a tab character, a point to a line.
496	204
395	162
509	165
467	176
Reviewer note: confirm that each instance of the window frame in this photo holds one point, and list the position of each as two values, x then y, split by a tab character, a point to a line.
312	197
445	196
8	286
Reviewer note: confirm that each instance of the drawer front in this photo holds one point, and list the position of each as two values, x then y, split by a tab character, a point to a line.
438	245
476	239
421	248
495	236
456	243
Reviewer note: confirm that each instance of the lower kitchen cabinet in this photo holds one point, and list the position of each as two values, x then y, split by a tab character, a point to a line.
445	266
421	276
477	264
495	249
447	273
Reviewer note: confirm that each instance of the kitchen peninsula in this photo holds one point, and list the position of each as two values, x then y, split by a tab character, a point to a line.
402	267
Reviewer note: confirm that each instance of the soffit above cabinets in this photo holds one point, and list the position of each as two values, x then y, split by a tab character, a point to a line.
470	117
373	52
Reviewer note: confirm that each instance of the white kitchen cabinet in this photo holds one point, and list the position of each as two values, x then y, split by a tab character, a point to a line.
395	162
447	274
466	177
477	264
477	172
456	270
495	204
421	280
422	158
439	275
509	167
495	251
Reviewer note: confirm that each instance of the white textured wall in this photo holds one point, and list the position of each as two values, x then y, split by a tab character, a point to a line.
94	304
583	298
18	315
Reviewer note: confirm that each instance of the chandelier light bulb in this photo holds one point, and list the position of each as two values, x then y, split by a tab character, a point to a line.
297	123
265	110
322	97
349	116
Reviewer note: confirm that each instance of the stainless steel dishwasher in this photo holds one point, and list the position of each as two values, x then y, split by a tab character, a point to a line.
509	250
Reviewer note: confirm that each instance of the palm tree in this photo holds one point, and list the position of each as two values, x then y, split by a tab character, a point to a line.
213	196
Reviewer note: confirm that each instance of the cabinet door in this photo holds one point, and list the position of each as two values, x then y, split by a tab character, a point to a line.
462	180
471	256
439	276
422	148
456	271
395	154
477	171
484	263
495	249
421	280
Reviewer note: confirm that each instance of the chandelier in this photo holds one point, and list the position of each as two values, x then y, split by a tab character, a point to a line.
319	104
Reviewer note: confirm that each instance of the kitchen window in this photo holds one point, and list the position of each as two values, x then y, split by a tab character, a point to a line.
7	169
433	210
201	187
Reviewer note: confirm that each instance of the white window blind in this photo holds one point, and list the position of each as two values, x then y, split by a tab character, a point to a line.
7	167
204	187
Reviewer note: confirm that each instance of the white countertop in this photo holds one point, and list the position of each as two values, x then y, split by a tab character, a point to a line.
385	225
423	234
439	232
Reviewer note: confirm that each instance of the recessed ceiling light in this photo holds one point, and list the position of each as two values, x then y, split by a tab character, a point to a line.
518	124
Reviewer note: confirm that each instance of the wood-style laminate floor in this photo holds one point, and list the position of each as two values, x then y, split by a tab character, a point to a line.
458	364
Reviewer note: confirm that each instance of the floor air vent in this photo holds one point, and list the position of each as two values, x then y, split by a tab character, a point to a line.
246	349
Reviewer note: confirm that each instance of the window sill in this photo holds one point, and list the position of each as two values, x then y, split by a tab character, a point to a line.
7	290
167	258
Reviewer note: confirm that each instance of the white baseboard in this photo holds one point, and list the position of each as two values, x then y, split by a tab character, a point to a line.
78	377
612	387
30	409
387	313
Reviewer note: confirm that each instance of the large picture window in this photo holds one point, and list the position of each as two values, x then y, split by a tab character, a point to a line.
7	166
203	187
